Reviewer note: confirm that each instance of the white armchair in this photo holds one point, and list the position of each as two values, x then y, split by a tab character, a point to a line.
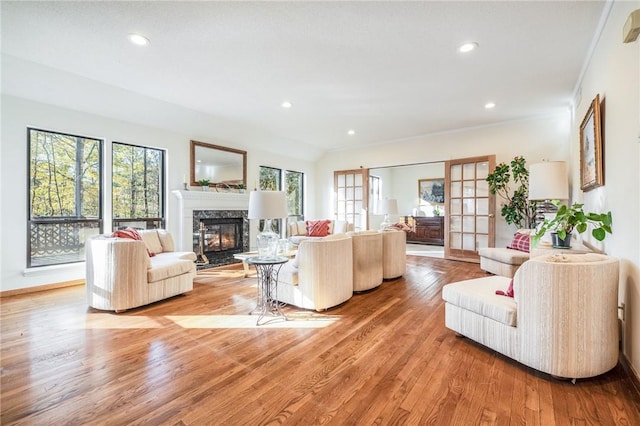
394	253
321	274
562	320
367	259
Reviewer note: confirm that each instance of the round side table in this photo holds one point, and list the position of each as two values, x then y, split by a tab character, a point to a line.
267	306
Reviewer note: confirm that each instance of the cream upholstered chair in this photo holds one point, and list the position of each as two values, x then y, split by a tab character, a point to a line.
367	259
121	275
321	274
394	253
562	320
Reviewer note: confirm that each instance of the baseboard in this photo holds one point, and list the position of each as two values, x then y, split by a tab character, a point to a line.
39	288
631	372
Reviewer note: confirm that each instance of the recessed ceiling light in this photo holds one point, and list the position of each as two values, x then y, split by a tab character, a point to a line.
468	47
351	132
138	39
489	105
286	104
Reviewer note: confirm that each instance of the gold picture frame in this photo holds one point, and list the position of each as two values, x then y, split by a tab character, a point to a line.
591	173
431	190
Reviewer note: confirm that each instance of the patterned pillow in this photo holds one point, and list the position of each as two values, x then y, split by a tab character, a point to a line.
317	228
132	234
520	242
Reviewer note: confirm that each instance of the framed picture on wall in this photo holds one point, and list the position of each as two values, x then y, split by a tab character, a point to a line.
591	148
431	190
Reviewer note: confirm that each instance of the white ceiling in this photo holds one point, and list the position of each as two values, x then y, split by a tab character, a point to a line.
388	70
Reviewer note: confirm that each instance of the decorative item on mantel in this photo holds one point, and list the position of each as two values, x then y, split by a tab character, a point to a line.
204	183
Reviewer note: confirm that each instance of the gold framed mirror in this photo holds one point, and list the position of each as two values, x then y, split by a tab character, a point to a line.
222	167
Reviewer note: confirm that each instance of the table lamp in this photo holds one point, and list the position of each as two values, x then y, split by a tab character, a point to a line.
267	205
387	207
548	181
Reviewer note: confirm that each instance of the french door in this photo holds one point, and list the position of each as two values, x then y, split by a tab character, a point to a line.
470	211
352	197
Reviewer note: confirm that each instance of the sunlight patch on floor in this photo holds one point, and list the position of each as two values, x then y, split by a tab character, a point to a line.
296	320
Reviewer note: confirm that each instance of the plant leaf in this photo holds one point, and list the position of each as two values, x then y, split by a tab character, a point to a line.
598	234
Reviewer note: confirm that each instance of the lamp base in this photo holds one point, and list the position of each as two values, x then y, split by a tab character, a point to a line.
267	242
542	209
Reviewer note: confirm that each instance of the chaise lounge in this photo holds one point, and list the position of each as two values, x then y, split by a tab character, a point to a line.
562	319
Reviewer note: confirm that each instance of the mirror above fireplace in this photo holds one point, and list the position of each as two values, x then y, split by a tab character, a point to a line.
223	167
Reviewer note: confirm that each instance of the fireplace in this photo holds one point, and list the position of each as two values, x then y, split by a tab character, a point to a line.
218	235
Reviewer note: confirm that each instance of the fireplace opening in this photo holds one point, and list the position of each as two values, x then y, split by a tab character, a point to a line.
217	239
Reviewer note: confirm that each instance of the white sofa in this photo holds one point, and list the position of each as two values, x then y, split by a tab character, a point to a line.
562	320
321	274
121	275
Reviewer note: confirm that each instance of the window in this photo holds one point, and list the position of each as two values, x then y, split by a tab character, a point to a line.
138	186
271	180
64	196
375	193
294	186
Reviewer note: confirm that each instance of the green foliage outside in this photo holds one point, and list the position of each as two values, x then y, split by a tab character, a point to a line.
65	175
270	180
137	181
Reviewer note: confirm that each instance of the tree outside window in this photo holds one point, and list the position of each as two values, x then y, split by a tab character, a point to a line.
138	186
64	196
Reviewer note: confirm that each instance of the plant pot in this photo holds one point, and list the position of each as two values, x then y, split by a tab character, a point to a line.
558	242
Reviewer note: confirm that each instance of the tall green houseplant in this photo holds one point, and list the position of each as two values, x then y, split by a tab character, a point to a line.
517	210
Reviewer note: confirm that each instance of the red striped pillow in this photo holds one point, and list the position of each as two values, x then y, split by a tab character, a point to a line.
317	228
132	234
520	242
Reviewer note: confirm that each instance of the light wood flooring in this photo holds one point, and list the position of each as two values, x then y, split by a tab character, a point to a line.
384	357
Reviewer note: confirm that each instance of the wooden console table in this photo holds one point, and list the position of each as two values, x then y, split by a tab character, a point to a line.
426	230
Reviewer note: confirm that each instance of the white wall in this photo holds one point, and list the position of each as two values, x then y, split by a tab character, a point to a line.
614	73
18	114
535	139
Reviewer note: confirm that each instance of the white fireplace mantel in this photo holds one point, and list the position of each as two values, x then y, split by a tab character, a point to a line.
188	201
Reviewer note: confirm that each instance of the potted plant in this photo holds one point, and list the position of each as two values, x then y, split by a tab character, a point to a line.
204	183
241	187
569	218
518	209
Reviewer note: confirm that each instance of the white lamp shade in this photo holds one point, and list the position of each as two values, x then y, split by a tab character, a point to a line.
267	205
548	181
388	206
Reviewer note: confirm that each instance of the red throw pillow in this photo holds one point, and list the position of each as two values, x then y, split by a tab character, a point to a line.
317	228
132	234
509	290
520	242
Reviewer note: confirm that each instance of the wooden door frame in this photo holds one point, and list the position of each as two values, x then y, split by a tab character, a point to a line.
467	255
365	192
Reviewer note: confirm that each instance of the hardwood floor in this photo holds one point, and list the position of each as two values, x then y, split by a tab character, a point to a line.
384	357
